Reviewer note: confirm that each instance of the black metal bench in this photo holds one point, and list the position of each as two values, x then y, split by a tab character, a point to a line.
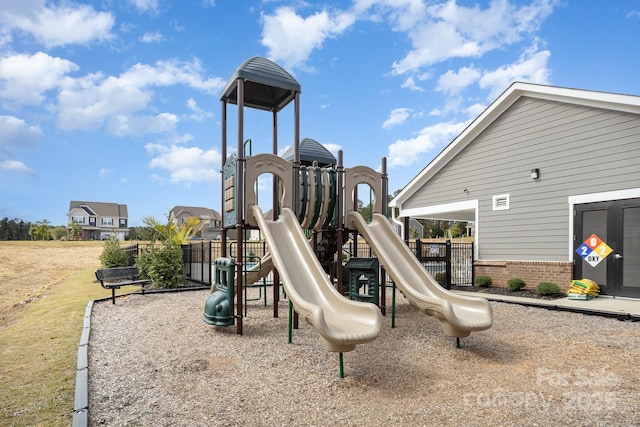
116	277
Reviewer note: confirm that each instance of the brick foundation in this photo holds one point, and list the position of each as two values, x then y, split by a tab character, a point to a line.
532	272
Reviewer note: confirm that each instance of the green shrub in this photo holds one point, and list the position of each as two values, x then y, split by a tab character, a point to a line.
441	278
547	288
483	281
163	264
515	284
113	255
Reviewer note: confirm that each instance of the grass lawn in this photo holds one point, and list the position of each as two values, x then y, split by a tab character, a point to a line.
42	312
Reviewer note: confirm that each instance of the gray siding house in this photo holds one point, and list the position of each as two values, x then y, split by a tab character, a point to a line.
98	220
550	177
211	219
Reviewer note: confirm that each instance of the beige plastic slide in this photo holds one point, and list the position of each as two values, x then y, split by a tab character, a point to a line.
458	315
341	323
260	270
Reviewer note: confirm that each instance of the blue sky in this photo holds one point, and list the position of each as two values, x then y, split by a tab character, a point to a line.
119	101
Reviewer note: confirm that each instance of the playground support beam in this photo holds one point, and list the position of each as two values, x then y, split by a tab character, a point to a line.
224	159
340	230
274	203
296	168
385	201
239	208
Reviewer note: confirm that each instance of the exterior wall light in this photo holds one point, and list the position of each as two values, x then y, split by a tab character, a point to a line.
535	173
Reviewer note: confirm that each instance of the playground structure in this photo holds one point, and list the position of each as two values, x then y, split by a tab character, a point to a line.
323	202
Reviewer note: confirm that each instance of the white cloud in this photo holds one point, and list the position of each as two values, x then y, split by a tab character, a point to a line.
451	104
410	83
185	164
24	78
397	116
403	14
475	110
94	100
290	38
333	148
15	132
452	83
152	37
405	152
57	25
530	67
452	31
104	172
5	39
198	114
150	6
140	125
17	167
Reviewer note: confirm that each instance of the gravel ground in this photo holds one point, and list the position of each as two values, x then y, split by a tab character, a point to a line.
154	362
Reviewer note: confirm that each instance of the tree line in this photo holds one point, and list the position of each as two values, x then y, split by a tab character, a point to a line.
19	229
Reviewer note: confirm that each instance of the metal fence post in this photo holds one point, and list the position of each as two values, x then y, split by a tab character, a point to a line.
448	263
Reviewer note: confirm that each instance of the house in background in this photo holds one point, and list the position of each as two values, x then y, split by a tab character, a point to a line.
211	230
550	177
98	220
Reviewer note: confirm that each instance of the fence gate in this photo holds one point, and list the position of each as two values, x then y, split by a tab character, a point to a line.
448	263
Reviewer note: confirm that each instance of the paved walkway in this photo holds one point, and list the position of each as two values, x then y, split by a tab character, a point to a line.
620	308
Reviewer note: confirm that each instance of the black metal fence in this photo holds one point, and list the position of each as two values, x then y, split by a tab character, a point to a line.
449	263
131	253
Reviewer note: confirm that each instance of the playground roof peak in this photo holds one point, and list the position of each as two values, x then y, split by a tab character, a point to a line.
267	85
310	151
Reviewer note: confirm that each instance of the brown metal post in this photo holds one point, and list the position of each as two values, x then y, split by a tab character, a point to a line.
296	154
240	208
383	275
355	208
340	230
274	203
296	168
224	159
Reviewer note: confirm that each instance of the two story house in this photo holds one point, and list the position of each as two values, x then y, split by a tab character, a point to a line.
98	220
211	229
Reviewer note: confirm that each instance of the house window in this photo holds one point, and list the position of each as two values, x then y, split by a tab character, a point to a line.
107	221
77	219
501	202
123	221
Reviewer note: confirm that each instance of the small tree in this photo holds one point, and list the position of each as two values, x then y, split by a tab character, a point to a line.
40	230
76	230
113	255
162	263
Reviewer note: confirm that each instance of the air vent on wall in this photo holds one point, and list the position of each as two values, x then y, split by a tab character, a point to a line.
501	202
